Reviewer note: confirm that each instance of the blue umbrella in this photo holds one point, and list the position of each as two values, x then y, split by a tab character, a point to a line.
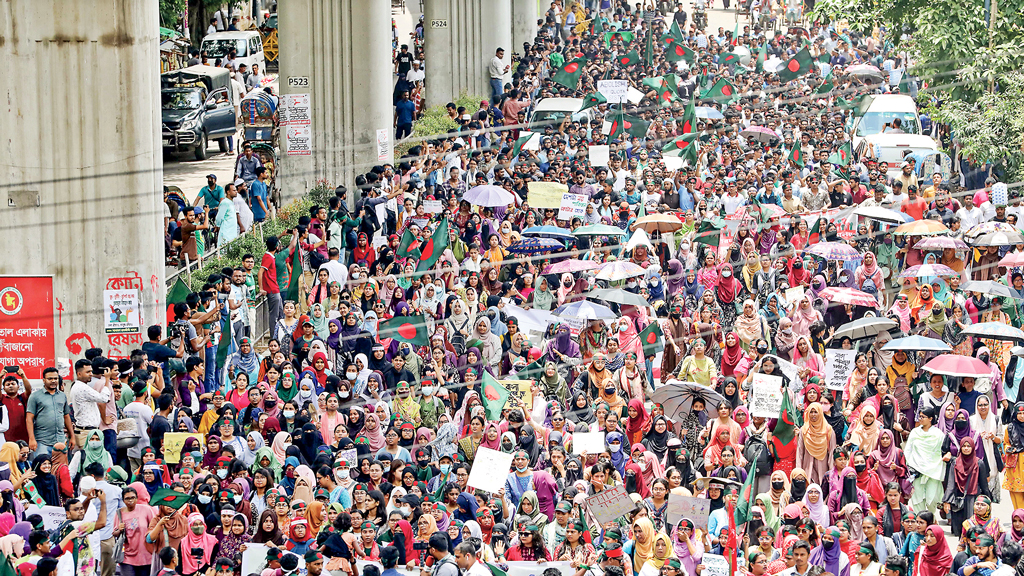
585	310
489	195
547	232
708	112
534	245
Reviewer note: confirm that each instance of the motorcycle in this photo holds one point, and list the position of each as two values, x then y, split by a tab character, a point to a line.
700	17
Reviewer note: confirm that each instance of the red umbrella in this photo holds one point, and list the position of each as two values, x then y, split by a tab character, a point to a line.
957	365
849	296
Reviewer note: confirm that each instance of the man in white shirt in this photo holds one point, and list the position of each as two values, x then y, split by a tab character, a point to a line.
335	270
469	564
85	400
139	411
227	217
970	215
237	304
112	502
496	70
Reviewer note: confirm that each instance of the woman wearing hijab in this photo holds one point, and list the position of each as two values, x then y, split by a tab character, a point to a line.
815	444
967	500
197	539
846	493
889	461
687	544
641	548
581	409
829	554
728	290
44	481
935	559
663	552
638	423
657	439
803	315
734	359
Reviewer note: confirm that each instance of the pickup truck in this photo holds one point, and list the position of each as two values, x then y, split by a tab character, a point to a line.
197	106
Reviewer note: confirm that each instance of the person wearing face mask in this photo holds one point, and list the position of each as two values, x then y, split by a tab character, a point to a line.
405	404
430	406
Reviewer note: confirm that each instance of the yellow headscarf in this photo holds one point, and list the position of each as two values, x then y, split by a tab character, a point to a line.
9	454
645	551
659	561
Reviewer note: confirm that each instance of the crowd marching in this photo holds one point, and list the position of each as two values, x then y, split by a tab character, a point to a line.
405	318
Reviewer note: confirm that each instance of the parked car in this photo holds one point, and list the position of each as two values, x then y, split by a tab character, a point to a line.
197	106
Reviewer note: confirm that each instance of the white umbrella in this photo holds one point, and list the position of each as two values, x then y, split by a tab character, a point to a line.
619	270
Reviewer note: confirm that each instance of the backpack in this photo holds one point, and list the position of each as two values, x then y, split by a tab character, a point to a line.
756	449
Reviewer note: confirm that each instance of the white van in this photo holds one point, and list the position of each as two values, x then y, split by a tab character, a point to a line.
248	46
551	112
894	148
880	113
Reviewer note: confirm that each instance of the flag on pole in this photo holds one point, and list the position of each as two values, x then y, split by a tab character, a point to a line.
652	339
842	156
593	99
569	74
628	59
673	36
517	149
411	329
624	36
709	231
688	124
687	145
796	156
627	124
495	395
178	293
649	48
722	91
407	248
289	271
431	250
801	63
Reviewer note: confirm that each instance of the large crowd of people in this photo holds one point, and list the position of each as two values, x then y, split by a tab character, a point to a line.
349	443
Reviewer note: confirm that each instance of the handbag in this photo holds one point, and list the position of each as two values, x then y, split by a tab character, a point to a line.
119	542
956	503
1010	461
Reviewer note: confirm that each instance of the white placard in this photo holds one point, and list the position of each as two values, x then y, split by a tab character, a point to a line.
122	312
673	163
614	91
694	509
609	504
572	205
298	141
533	143
53	516
383	144
838	367
634	96
766	397
490	469
432	206
715	565
589	442
794	295
598	155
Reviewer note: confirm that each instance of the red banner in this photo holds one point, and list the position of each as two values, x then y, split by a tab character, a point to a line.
26	323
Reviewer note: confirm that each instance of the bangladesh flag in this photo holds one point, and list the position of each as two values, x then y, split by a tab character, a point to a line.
745	502
842	156
676	51
289	270
593	99
532	371
178	293
689	123
628	59
709	231
814	234
569	74
653	339
407	249
826	86
686	145
729	58
517	148
622	124
623	36
227	345
411	329
722	91
673	36
169	498
762	53
801	63
664	86
649	48
431	250
796	156
495	395
786	427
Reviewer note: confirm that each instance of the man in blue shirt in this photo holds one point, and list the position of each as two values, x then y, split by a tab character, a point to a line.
405	113
258	196
984	562
211	194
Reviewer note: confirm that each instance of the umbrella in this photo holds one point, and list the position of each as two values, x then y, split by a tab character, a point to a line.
882	214
570	265
995	331
866	71
866	327
677	397
1012	260
921	228
941	243
489	195
997	239
599	230
618	296
849	296
700	483
619	270
987	227
536	245
987	287
760	134
928	270
659	222
547	232
708	113
584	310
639	238
914	343
957	365
834	251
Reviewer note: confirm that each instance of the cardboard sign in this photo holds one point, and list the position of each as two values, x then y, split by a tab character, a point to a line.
613	90
589	442
766	397
572	205
27	323
432	206
694	509
173	441
122	312
521	389
53	516
610	504
490	469
794	295
839	365
545	194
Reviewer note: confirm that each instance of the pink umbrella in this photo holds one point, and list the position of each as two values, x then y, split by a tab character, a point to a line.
940	243
1012	260
849	296
957	365
570	265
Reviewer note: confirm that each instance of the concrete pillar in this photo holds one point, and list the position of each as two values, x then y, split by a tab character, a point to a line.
460	38
343	49
81	167
524	22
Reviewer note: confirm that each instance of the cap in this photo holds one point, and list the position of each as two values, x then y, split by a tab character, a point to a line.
239	181
213	176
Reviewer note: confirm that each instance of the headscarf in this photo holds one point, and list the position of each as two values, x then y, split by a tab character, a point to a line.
828	556
1014	432
689	563
729	287
865	436
819	510
10	453
467	507
250	363
966	468
675	280
936	559
657	561
374	437
642	552
204	541
732	355
816	436
886	457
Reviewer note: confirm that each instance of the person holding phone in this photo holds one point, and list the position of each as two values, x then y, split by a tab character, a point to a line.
12	413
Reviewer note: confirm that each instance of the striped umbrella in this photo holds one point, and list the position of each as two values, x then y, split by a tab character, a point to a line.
834	251
924	270
570	265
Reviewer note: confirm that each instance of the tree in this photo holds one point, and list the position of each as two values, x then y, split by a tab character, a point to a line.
170	12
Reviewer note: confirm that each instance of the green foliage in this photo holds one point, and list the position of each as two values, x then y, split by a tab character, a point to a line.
435	122
170	12
992	128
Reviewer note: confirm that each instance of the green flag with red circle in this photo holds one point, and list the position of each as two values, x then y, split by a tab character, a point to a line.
801	63
652	339
622	124
495	395
722	91
569	74
628	59
411	329
169	498
431	250
686	145
593	99
688	124
622	36
797	156
676	51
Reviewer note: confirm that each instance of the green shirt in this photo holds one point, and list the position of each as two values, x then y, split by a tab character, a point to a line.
210	197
